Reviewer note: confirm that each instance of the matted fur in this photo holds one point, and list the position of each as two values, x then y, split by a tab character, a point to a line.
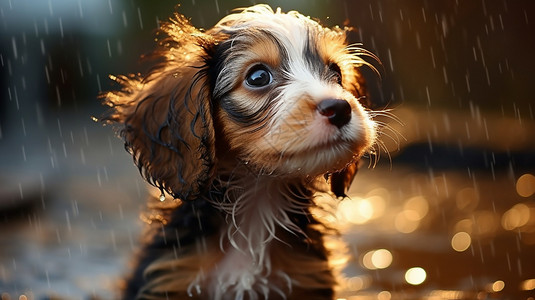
243	163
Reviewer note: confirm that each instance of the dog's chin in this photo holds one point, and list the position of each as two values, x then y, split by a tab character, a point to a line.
315	161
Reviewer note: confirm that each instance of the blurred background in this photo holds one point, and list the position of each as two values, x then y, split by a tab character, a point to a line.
449	213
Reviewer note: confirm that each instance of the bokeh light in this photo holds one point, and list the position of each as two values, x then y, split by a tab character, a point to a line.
516	217
358	283
498	286
356	210
461	241
528	285
467	199
415	276
525	185
377	259
407	221
384	295
466	225
418	205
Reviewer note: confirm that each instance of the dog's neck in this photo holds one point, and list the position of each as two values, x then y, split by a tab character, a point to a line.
256	208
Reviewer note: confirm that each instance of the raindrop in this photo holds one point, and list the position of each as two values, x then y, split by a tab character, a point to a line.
113	240
109	47
23	126
50	7
14	45
86	136
47	75
80	9
217	6
23	153
423	15
82	155
98	83
68	221
391	63
61	27
119	47
58	236
80	64
43	51
433	57
20	191
125	21
75	210
58	96
139	17
467	78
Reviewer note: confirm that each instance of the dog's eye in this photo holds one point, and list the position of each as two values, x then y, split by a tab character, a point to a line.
258	76
337	73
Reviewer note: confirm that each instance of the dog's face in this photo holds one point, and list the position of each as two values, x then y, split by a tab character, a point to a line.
275	91
287	91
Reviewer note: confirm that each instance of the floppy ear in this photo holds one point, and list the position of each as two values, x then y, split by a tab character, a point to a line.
166	117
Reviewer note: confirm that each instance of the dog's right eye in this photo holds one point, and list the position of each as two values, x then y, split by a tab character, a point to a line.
258	76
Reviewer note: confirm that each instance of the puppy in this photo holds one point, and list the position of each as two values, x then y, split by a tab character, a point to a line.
243	125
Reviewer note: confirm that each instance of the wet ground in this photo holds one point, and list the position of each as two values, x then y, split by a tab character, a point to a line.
462	223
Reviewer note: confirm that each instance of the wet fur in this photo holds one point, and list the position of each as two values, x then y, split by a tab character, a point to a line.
241	165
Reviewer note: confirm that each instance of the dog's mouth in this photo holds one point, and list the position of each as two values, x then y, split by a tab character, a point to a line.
315	160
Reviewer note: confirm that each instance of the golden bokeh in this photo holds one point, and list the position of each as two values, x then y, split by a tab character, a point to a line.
467	199
407	221
525	185
461	241
498	286
528	285
415	276
419	205
377	259
516	217
384	295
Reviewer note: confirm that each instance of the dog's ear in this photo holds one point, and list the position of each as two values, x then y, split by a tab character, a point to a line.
341	180
166	117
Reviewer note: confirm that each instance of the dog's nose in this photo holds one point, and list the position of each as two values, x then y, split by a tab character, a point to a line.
337	111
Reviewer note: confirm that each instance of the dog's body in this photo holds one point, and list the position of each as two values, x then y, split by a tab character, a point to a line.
241	125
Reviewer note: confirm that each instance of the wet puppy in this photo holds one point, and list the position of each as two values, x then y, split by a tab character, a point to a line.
243	125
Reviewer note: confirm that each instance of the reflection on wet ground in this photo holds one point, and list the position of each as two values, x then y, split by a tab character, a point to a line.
443	235
415	228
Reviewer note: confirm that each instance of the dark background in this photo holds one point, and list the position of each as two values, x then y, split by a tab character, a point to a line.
457	74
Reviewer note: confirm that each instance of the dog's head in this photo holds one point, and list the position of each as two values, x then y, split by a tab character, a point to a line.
275	91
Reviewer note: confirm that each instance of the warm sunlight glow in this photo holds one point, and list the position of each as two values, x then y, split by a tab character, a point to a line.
356	211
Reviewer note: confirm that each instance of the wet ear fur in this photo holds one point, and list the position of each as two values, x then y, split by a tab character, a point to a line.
166	117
